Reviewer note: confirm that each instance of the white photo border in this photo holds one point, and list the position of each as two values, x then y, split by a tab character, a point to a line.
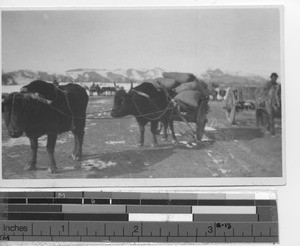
155	182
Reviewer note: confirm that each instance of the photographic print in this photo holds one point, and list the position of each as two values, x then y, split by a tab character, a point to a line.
172	96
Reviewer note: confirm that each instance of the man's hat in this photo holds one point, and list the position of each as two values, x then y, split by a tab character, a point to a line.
274	75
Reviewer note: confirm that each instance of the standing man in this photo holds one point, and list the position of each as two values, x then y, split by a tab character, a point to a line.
272	82
268	103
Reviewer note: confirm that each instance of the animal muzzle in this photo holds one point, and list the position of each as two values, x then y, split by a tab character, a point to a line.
15	133
117	113
114	113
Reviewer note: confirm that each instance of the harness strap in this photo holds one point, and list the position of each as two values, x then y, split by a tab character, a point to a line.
72	115
40	98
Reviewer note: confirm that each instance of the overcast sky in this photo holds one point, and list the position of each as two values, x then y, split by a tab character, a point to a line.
188	40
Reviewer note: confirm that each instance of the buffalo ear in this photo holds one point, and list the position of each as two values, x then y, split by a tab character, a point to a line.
131	85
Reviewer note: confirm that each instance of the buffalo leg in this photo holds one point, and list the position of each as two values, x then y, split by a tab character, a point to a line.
78	141
165	127
174	139
270	121
34	147
154	125
271	124
50	149
142	134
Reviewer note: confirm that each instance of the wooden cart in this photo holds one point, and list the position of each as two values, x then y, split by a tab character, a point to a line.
197	115
237	100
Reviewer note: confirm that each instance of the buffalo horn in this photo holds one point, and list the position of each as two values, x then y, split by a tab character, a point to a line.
4	96
37	97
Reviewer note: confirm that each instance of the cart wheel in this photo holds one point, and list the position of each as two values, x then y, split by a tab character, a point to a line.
230	110
230	115
201	120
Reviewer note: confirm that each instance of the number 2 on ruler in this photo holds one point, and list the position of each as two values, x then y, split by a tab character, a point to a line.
136	229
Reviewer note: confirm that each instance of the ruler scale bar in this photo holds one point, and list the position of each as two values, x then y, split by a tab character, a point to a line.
141	201
138	217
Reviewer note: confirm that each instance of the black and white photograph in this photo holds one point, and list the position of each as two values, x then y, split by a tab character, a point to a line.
152	96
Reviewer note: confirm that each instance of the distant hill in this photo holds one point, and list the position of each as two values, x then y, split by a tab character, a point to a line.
216	77
82	75
221	79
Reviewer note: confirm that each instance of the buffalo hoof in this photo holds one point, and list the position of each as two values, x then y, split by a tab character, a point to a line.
164	139
175	141
77	167
76	157
52	170
154	145
30	168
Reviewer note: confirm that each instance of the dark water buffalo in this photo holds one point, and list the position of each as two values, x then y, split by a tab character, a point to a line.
146	104
268	106
42	108
95	88
109	90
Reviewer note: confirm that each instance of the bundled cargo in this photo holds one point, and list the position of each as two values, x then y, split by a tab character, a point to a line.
168	83
187	86
197	85
189	97
180	77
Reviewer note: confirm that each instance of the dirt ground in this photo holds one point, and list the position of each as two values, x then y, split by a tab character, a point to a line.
110	150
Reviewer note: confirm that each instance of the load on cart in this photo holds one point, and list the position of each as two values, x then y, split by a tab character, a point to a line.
190	96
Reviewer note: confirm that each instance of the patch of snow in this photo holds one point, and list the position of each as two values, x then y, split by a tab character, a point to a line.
205	139
115	142
187	144
74	74
150	74
136	76
16	141
122	72
102	72
68	168
25	141
13	156
207	128
102	101
43	141
98	164
223	171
